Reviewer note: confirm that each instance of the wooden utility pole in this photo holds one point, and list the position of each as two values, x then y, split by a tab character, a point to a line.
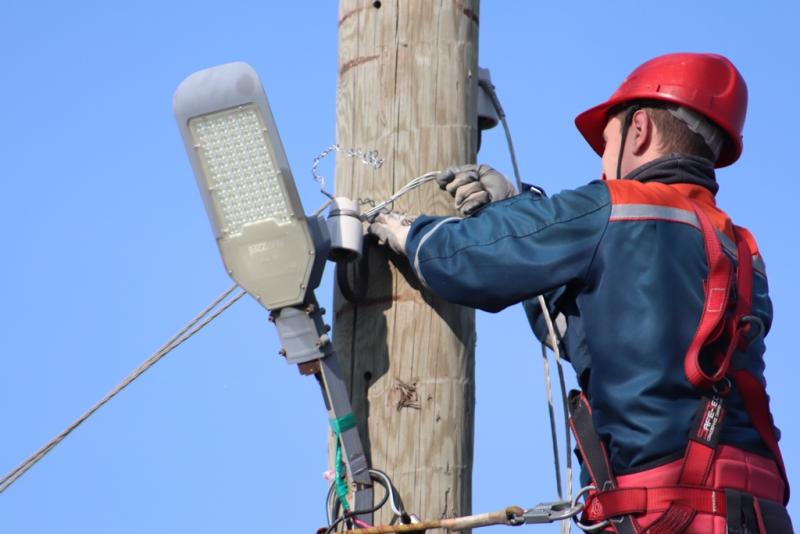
407	88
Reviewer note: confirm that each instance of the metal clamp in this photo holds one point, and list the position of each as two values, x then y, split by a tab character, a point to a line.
583	526
550	512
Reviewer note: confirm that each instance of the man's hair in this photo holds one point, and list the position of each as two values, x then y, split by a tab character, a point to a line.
676	137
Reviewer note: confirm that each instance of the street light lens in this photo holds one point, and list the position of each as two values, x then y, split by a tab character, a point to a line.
242	179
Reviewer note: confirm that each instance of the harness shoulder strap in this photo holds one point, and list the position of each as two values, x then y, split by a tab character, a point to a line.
752	391
689	497
717	294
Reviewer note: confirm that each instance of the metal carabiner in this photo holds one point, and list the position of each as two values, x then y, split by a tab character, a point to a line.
723	387
583	526
550	512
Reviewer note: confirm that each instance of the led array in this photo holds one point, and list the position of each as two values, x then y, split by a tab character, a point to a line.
233	150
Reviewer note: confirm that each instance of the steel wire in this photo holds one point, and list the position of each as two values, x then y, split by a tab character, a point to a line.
190	329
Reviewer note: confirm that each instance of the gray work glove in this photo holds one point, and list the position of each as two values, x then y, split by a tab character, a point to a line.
473	186
391	229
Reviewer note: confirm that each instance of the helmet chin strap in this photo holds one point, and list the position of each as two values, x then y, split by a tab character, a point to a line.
626	124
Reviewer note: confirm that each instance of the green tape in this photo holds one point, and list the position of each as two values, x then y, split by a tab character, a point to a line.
344	423
341	481
339	425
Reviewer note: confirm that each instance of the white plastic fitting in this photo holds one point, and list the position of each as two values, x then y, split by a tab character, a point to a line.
346	230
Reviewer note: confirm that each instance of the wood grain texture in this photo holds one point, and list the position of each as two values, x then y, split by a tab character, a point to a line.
407	88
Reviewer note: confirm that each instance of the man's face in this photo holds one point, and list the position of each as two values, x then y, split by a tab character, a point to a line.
612	136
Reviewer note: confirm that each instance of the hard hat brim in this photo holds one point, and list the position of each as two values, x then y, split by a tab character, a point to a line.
592	122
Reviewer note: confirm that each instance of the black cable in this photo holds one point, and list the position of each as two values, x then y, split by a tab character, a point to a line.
353	513
398	508
360	276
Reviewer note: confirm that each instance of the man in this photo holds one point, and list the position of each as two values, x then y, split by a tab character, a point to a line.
665	301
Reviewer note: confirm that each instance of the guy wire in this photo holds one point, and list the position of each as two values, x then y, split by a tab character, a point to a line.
190	329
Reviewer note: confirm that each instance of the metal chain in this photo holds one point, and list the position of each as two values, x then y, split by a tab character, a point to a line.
367	157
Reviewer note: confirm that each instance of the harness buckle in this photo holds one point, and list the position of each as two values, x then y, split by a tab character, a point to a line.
550	512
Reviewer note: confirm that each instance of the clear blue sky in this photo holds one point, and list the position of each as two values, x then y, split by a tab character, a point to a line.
107	249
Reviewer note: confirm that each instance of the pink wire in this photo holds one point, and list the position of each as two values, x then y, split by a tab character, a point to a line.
361	524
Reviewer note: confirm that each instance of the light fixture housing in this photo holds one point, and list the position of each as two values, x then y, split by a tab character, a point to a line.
268	245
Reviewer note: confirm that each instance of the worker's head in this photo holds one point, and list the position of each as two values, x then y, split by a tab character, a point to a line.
678	103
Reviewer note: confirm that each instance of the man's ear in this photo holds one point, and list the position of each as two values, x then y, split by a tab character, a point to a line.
642	130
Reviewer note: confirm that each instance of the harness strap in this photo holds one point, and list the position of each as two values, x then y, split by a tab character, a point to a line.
756	403
753	393
595	457
697	462
717	293
744	513
759	516
704	436
682	502
703	440
626	501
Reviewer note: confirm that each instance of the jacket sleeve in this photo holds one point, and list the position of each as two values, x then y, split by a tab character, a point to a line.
511	250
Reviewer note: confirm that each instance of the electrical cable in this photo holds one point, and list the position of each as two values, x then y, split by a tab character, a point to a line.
370	158
552	417
190	329
410	186
320	209
356	291
565	525
488	86
353	513
397	508
353	295
555	345
332	504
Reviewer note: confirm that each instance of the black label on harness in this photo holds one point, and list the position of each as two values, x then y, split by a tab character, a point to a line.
708	420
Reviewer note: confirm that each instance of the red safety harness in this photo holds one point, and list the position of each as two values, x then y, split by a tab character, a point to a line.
723	329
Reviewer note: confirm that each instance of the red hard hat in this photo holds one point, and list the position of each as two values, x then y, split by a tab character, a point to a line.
706	83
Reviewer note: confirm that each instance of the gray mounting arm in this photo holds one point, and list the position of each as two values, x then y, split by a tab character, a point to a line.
305	342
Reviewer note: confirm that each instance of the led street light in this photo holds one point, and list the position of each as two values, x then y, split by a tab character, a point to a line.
268	245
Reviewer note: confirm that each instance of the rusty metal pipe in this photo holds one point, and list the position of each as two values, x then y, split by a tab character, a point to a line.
508	516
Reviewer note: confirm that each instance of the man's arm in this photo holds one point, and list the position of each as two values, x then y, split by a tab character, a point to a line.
511	250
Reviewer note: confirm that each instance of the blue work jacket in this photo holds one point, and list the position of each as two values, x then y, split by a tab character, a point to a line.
623	262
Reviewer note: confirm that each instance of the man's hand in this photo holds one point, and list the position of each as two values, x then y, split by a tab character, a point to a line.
473	186
392	229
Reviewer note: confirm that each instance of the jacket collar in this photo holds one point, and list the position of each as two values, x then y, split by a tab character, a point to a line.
680	169
692	177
